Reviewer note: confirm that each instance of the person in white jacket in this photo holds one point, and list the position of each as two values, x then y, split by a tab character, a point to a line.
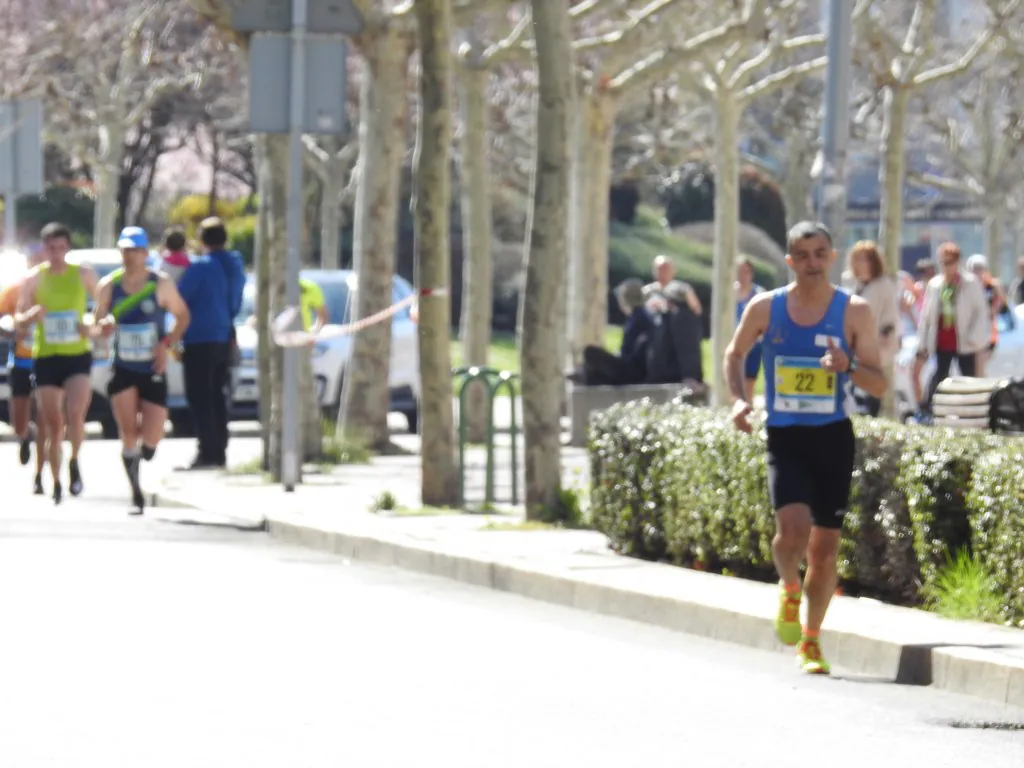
954	321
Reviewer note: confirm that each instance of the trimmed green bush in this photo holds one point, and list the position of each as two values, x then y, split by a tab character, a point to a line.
678	483
996	503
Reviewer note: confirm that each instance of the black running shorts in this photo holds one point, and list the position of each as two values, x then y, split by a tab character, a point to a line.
152	390
55	370
812	466
21	381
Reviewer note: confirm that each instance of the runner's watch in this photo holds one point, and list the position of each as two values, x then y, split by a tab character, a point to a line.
852	367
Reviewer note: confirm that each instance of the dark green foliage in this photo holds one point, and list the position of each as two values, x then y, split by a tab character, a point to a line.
679	483
689	196
623	200
66	204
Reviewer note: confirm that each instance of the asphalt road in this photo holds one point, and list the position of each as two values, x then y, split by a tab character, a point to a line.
130	642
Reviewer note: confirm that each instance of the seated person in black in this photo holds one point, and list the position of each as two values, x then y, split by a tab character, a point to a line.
601	367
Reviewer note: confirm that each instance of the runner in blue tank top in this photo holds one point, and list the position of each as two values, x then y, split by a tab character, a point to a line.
747	289
132	305
817	342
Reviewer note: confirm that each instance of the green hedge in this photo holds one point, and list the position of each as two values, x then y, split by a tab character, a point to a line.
678	483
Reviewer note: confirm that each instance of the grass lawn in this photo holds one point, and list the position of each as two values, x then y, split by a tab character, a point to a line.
504	356
632	248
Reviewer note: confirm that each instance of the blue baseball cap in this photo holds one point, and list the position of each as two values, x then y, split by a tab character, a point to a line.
133	237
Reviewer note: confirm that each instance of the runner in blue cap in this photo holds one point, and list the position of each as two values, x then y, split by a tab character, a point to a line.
132	304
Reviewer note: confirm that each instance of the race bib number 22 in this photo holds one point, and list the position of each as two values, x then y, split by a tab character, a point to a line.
803	386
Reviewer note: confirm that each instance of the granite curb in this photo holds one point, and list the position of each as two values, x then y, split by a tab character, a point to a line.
862	637
905	654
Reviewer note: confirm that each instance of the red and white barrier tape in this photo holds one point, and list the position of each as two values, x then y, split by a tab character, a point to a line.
284	337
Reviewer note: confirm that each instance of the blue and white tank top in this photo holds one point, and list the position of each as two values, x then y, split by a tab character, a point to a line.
140	324
741	304
798	391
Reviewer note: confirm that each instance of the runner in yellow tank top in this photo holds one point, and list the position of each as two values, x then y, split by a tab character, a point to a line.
54	298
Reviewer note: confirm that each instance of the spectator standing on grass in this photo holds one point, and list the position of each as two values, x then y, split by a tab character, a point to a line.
865	277
212	288
747	289
664	275
674	356
601	367
954	323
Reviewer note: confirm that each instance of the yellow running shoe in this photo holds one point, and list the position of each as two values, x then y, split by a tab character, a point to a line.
808	655
787	623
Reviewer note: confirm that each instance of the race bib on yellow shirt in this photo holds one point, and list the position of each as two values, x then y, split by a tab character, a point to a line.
803	386
61	328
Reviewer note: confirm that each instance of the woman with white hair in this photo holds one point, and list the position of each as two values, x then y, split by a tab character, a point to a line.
978	266
865	277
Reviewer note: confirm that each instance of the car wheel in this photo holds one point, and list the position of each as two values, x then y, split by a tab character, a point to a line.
413	419
109	427
181	425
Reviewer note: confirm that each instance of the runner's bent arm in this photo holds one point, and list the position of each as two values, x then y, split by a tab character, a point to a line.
101	317
869	375
167	296
751	327
28	311
693	300
89	279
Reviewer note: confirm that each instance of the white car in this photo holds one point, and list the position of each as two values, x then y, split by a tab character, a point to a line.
330	355
1007	360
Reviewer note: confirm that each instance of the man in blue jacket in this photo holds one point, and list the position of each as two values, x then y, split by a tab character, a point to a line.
212	288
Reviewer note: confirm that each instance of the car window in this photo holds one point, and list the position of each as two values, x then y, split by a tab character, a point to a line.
248	307
336	296
1005	322
400	289
101	270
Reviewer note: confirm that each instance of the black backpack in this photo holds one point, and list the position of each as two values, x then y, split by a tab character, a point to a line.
1006	407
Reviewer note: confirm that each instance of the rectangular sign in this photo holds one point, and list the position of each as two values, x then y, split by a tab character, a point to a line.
21	146
328	17
270	77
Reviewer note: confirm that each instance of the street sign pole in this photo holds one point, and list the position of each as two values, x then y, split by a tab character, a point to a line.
21	158
291	426
297	85
8	157
10	218
836	128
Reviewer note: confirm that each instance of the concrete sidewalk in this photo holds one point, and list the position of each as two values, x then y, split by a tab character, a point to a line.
576	568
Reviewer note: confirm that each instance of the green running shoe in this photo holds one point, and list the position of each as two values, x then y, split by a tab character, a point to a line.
809	657
787	623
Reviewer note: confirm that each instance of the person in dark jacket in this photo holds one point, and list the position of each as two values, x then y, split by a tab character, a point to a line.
601	367
212	288
674	356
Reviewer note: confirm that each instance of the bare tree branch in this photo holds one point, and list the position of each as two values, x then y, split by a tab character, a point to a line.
782	78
